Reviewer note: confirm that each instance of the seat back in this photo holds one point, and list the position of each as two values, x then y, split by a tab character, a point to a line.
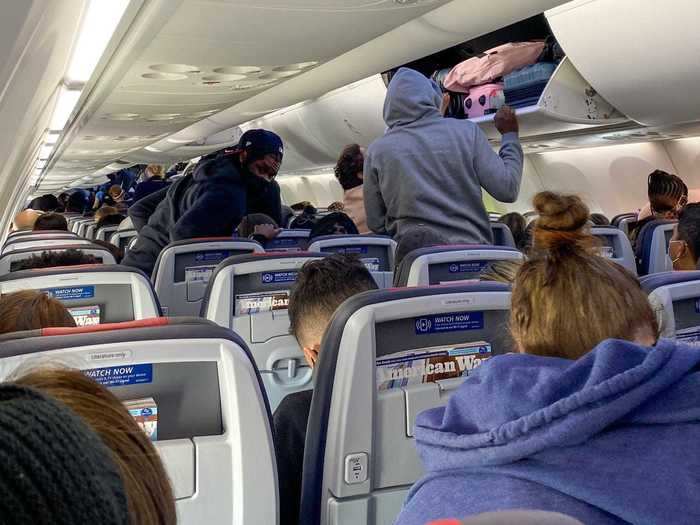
652	246
10	262
183	270
289	241
81	226
623	221
376	252
386	356
502	236
37	241
445	264
105	233
213	423
93	294
27	234
121	238
90	231
250	294
616	246
677	297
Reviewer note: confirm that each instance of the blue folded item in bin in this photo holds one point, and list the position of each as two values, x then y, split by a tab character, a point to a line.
529	76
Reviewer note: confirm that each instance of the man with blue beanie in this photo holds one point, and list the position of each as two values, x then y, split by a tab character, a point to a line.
225	187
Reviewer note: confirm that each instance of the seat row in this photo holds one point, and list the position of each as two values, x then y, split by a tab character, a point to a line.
214	434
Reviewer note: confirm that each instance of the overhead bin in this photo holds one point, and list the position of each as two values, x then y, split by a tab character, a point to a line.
568	103
640	56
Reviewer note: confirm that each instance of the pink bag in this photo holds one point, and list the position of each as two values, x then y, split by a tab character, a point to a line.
479	99
493	64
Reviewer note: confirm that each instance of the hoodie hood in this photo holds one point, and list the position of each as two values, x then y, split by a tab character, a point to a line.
537	403
411	97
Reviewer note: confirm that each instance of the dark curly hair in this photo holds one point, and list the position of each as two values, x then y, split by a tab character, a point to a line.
349	164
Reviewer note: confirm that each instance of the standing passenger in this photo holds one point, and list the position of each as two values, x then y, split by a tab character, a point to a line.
348	171
431	170
212	201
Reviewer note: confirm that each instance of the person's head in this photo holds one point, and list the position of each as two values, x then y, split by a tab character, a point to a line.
247	226
420	236
25	220
105	211
113	219
501	271
116	193
78	201
261	153
598	219
335	223
348	169
301	206
566	299
154	171
31	310
517	225
54	468
148	493
51	221
336	206
684	248
321	287
63	199
45	203
667	194
411	97
54	259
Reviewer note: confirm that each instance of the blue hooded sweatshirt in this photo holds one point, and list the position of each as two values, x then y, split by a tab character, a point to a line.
208	203
430	170
610	438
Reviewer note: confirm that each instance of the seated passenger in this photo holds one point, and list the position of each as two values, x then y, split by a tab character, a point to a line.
54	468
335	223
420	236
51	221
348	171
587	419
598	219
684	247
501	271
517	225
45	203
78	202
31	310
668	194
25	220
113	219
146	486
70	257
307	219
258	227
106	211
321	287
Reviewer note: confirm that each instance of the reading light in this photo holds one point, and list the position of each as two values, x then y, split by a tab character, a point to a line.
96	29
67	99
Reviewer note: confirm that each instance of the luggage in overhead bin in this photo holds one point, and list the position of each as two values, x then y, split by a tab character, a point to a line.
483	100
492	65
524	86
455	109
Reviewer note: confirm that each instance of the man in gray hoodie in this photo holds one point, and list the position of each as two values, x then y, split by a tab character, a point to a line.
430	170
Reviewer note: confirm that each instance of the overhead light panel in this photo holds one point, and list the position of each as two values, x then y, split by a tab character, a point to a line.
65	104
99	23
52	137
45	151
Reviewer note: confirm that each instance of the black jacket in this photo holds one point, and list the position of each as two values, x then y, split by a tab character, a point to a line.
208	203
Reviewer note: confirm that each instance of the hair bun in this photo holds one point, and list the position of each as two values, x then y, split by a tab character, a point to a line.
561	221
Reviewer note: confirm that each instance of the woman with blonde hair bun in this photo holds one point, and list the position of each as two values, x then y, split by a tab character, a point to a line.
576	418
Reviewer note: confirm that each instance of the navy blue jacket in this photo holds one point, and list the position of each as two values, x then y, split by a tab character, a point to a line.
208	203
